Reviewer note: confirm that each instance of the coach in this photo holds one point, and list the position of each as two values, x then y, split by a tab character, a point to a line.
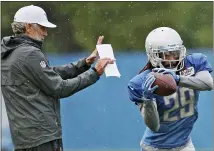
32	88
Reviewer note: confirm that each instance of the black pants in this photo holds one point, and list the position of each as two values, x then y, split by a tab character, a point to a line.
55	145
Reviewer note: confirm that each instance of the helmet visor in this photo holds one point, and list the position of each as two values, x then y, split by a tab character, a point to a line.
170	58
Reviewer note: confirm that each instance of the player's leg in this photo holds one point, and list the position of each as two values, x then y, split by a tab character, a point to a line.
189	147
148	148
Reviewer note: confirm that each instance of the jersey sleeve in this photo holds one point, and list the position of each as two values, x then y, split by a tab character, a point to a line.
135	87
134	92
200	62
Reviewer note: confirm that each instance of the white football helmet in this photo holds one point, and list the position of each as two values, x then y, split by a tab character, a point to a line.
161	41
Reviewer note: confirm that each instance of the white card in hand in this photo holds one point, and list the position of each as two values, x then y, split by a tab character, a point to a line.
106	51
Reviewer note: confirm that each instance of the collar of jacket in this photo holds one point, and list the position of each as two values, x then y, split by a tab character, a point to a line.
34	42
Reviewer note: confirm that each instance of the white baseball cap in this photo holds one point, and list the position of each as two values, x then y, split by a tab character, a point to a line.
33	14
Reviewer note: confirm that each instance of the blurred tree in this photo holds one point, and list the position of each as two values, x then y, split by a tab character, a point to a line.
124	24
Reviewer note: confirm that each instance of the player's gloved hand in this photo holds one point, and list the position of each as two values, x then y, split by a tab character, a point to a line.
148	89
167	71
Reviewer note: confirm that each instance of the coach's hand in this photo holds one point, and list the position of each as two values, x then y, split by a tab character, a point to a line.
101	64
94	55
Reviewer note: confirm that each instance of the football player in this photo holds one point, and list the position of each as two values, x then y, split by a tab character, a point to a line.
169	119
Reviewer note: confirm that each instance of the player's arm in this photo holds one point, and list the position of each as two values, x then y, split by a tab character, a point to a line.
150	114
202	81
148	108
72	70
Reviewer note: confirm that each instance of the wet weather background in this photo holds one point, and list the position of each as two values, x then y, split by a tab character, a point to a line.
101	116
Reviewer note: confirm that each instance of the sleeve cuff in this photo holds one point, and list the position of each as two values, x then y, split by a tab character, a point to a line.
85	63
95	70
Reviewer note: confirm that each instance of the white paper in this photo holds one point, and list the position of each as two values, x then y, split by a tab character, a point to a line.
106	51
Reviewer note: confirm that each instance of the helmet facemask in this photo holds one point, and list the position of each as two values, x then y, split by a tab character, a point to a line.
157	57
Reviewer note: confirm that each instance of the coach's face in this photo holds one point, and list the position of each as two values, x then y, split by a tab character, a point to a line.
36	31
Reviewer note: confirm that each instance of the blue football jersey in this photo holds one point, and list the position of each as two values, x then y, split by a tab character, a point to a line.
178	112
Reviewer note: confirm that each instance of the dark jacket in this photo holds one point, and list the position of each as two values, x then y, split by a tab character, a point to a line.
32	88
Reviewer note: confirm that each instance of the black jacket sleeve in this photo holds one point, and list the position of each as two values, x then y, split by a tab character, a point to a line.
36	68
72	70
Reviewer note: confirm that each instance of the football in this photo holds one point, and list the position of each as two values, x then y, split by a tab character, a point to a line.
166	84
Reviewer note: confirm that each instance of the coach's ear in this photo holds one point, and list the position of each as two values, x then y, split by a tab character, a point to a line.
28	28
